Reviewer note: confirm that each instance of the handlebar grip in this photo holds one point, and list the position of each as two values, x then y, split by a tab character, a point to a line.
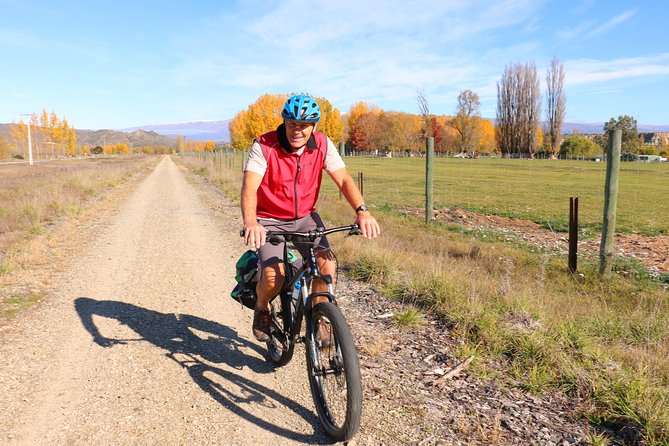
274	239
355	230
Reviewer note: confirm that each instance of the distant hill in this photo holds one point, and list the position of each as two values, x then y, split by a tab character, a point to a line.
598	127
92	138
137	138
216	131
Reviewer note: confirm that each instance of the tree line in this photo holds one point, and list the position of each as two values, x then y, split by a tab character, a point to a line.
517	131
370	129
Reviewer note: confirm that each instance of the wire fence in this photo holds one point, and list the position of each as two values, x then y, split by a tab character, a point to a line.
535	190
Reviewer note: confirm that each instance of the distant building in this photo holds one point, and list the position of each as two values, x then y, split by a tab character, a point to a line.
642	158
655	139
651	158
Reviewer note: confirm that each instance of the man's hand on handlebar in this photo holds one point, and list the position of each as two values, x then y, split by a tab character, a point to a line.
368	225
255	235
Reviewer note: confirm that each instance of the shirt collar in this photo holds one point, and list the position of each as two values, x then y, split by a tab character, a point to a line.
283	140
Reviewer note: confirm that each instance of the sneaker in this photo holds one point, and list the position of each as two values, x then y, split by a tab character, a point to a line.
324	334
261	322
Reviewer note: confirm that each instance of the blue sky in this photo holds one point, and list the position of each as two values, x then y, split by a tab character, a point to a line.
116	64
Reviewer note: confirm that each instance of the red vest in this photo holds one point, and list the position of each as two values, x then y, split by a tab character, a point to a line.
290	187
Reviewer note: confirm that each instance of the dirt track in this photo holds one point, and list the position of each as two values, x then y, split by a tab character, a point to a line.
138	343
141	345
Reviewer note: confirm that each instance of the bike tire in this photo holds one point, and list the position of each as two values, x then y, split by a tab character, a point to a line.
334	374
280	346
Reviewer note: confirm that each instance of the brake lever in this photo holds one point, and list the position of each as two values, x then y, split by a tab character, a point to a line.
355	230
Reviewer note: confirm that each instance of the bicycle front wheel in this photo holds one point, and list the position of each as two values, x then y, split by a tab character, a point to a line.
334	372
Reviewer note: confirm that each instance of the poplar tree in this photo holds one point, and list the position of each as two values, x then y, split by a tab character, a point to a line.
555	104
518	109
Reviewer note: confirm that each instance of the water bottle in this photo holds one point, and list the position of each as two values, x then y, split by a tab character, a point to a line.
296	290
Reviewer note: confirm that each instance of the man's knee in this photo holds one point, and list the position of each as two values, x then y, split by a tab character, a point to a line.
327	265
272	276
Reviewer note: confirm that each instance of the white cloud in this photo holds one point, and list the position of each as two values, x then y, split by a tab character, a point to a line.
589	71
378	51
615	21
590	28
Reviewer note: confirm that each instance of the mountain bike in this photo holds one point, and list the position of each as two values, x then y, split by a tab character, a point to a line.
332	363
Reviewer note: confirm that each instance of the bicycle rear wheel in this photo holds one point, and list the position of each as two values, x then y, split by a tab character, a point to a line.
334	374
280	345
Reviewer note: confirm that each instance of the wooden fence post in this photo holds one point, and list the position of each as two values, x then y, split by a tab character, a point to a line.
610	201
429	173
573	233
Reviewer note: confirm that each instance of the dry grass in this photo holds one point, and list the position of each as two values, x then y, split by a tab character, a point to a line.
605	342
32	198
225	172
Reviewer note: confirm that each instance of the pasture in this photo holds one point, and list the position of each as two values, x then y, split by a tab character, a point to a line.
536	190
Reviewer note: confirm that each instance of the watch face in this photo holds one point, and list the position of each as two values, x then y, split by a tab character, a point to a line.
362	208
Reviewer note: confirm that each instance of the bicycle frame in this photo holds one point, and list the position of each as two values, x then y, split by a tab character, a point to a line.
305	274
333	368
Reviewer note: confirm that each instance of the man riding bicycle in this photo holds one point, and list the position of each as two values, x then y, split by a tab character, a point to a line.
282	181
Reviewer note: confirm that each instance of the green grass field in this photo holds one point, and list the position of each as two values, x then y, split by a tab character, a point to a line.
536	190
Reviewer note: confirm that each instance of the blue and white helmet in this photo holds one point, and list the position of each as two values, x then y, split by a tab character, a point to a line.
301	108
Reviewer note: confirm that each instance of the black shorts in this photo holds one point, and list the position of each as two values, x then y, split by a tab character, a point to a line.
270	254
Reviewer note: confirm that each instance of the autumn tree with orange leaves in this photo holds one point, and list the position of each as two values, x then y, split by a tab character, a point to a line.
264	115
4	148
331	123
51	135
487	143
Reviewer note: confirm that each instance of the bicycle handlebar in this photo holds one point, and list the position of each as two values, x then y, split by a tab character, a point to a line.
274	236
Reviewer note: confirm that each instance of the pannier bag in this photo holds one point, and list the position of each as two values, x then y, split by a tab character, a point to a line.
247	278
248	273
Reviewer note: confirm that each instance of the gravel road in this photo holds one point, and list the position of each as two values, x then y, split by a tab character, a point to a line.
140	344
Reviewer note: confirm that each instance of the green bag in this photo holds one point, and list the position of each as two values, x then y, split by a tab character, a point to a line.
248	273
247	278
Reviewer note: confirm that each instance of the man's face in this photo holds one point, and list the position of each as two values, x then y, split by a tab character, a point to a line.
298	133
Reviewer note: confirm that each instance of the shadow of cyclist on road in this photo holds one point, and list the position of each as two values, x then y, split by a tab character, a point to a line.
172	332
176	334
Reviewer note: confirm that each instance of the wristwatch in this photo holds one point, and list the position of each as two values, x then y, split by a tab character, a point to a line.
362	208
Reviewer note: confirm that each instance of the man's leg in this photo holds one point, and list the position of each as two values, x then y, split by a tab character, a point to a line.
326	265
271	280
269	285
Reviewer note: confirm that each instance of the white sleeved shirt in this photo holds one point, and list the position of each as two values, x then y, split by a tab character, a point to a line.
258	164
